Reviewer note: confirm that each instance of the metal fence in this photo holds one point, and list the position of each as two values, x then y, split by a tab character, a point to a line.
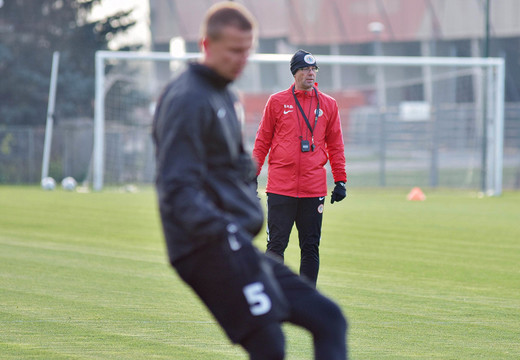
408	161
383	146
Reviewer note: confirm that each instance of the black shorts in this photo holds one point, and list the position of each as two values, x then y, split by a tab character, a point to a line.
237	286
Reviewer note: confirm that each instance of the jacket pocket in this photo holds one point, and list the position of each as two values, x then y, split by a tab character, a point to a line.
323	157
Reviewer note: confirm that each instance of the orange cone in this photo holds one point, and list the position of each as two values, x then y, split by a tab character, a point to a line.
416	194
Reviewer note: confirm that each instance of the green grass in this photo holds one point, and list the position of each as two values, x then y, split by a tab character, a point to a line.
85	276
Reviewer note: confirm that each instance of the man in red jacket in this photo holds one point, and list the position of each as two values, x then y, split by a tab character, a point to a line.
301	131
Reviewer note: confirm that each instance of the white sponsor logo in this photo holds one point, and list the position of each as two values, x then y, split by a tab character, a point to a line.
232	239
320	209
233	242
287	112
320	113
322	198
309	59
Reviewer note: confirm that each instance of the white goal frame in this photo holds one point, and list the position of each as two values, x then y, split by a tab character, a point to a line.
494	150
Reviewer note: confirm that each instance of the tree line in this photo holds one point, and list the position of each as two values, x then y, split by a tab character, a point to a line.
30	31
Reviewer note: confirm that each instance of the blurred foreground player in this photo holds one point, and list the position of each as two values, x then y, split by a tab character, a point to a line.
209	209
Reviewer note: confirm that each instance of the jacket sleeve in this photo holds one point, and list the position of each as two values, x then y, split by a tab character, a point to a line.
335	145
264	136
182	126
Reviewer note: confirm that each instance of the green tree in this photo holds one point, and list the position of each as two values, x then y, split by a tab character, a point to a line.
30	31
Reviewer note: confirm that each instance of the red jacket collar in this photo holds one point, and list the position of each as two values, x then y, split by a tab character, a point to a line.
300	93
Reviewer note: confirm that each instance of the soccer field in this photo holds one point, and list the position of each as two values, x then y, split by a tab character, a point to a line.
85	276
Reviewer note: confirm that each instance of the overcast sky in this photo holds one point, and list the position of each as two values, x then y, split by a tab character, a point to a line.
140	33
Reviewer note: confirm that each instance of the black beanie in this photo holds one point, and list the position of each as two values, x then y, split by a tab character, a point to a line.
302	59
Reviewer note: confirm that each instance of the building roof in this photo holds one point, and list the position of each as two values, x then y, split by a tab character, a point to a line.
325	22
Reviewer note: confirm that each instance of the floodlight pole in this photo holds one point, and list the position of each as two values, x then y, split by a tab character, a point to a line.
50	115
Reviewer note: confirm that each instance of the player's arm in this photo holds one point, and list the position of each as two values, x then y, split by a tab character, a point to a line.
335	146
264	135
182	170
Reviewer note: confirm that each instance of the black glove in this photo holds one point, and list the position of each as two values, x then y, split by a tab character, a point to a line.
339	192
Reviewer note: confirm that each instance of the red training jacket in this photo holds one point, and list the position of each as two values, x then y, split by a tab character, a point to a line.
292	172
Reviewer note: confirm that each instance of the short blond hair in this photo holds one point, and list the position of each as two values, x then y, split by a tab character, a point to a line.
224	14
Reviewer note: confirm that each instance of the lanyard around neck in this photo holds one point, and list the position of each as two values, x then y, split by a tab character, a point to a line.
311	129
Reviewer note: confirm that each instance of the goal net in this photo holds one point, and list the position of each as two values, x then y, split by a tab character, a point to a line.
407	121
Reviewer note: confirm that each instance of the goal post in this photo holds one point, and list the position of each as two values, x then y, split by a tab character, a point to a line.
407	121
102	56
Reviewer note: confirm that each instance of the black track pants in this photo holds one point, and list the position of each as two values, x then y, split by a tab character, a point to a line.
282	213
307	308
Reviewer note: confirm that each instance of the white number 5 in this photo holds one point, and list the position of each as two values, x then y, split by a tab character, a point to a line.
258	300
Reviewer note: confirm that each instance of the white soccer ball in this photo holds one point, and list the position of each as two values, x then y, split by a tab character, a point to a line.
48	183
69	184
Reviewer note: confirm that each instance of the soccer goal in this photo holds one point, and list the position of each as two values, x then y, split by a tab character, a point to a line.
407	121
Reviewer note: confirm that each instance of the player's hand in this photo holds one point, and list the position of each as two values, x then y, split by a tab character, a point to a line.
339	192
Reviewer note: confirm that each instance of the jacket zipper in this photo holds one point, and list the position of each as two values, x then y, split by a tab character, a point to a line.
299	159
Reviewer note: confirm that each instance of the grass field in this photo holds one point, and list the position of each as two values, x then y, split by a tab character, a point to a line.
84	276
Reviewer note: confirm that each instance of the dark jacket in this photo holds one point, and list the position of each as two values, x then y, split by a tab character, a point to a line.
204	177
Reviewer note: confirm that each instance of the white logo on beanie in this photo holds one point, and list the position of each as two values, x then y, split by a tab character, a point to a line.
309	59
